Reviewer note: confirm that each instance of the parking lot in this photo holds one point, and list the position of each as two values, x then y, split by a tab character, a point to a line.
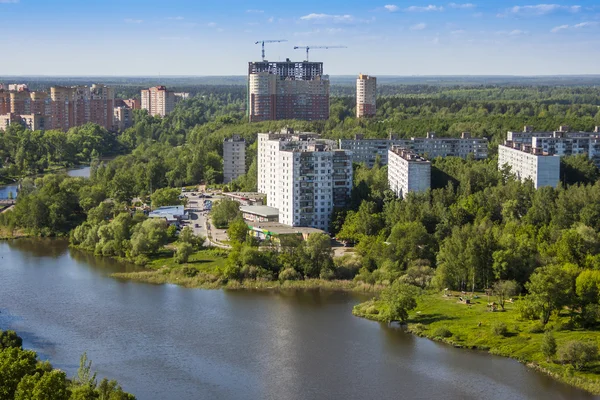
198	211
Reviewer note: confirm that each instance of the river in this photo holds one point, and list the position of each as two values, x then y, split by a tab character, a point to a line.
6	190
168	342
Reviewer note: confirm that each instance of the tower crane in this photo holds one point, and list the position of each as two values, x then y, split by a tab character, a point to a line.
318	47
267	41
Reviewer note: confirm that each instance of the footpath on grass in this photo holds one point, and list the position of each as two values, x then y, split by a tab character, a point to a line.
447	319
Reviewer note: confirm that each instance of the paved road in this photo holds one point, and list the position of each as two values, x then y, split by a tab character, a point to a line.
199	218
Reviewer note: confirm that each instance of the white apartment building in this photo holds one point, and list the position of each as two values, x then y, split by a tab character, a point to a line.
367	150
304	177
234	158
407	172
541	168
158	101
366	96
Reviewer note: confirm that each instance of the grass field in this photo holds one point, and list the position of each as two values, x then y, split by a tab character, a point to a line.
472	326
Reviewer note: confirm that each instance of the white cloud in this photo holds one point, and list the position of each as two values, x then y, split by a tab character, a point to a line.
559	28
541	9
255	11
178	18
327	17
422	9
576	26
133	21
391	7
270	20
211	24
517	32
462	6
418	27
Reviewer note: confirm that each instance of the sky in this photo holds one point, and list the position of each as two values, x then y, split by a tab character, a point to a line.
217	37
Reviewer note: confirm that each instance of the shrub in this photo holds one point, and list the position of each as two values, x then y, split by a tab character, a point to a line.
183	253
189	272
327	274
372	310
548	346
499	328
441	332
289	274
578	353
417	329
538	327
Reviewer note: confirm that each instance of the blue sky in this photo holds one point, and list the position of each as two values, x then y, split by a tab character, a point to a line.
389	37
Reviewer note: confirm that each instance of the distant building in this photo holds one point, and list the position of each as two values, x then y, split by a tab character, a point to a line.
122	118
407	172
134	104
234	158
158	101
8	119
33	122
260	213
18	87
172	214
181	96
304	177
368	150
287	90
543	169
366	96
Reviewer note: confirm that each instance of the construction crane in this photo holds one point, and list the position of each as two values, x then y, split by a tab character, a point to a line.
267	41
317	47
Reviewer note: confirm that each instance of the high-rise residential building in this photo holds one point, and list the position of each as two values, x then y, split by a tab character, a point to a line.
287	90
407	171
20	102
134	104
61	107
101	105
366	96
368	150
33	122
18	87
122	118
4	102
158	101
234	158
7	119
304	177
543	169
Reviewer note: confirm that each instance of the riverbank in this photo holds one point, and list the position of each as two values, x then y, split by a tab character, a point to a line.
7	234
447	320
202	271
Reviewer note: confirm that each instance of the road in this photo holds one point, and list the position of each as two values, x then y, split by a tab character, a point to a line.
199	220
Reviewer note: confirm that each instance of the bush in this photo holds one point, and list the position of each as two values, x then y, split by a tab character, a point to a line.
183	253
417	329
289	274
578	353
538	327
548	346
372	310
327	274
441	332
499	329
189	272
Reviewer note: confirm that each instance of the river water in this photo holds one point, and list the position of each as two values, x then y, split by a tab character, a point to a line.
168	342
6	190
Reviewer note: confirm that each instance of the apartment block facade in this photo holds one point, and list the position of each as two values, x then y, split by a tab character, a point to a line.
158	101
287	90
234	158
304	177
407	171
541	168
366	96
367	151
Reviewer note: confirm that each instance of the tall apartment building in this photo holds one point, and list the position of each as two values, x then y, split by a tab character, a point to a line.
407	171
234	158
4	102
122	118
33	122
368	150
366	96
287	90
543	169
158	101
304	177
134	104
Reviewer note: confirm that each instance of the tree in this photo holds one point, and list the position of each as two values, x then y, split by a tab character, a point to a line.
399	299
504	290
183	253
318	254
49	386
85	377
149	236
10	339
165	197
578	353
187	236
237	231
548	345
15	363
550	288
224	212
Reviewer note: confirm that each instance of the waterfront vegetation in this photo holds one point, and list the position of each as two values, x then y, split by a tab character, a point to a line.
478	228
25	377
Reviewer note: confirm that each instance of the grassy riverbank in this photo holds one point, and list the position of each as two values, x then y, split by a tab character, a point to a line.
203	271
447	320
6	234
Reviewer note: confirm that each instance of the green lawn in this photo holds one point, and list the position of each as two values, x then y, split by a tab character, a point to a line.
472	325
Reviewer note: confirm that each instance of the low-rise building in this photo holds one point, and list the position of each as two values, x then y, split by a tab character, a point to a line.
234	158
172	214
407	171
529	163
274	231
260	213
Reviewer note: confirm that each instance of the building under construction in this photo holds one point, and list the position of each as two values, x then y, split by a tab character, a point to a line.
287	90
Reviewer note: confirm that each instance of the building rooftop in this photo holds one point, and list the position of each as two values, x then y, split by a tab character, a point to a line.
408	155
167	212
262	211
277	228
